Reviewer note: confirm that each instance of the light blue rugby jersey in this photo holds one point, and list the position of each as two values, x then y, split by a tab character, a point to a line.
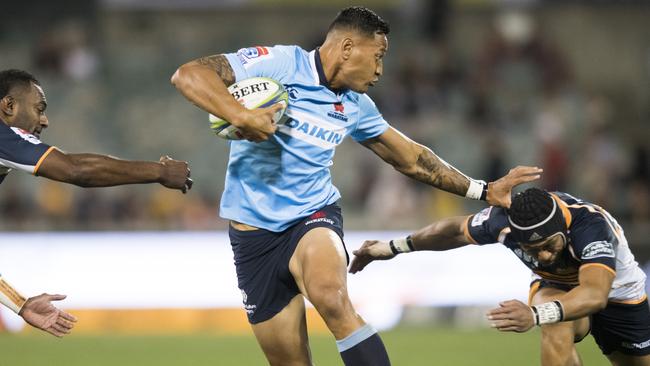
275	183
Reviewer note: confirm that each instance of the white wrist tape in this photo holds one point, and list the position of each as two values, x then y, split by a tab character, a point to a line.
548	312
10	297
403	245
475	190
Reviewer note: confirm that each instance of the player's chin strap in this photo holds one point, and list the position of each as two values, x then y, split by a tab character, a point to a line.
402	245
548	312
10	297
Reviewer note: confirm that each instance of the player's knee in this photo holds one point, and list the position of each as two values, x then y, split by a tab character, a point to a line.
331	302
558	338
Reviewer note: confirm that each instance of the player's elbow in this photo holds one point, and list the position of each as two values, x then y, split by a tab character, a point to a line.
176	78
600	303
597	303
182	77
408	168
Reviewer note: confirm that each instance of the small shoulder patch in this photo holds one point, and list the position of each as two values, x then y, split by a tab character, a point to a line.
252	55
481	217
598	249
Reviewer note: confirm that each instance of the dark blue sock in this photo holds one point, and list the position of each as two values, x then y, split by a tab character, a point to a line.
363	348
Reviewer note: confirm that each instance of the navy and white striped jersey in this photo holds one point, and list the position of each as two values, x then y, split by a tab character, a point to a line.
21	150
594	239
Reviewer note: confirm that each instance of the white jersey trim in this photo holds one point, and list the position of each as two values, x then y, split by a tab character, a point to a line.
314	70
14	165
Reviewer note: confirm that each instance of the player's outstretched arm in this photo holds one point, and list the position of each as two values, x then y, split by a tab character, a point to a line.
93	170
204	82
420	163
585	299
441	235
39	312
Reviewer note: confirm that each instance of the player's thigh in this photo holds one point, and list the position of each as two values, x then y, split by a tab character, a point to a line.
578	328
319	261
620	359
283	338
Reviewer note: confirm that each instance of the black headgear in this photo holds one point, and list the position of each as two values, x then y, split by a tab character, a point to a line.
534	215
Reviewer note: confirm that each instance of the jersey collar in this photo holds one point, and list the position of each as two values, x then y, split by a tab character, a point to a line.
318	73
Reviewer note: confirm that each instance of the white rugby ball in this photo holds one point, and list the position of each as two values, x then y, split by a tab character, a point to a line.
252	93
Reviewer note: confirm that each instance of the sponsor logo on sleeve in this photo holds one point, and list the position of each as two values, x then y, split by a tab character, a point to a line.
26	136
480	217
598	249
252	55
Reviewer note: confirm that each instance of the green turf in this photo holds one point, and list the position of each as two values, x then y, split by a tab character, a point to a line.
412	347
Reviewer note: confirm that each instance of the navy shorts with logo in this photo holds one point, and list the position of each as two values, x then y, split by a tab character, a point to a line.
262	262
623	327
619	327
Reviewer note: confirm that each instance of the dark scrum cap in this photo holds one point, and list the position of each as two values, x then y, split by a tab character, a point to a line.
534	215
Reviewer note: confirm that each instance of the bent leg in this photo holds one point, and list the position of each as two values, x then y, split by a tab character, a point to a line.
320	270
283	338
557	343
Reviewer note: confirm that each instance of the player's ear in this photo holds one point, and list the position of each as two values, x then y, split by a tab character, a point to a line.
8	105
346	47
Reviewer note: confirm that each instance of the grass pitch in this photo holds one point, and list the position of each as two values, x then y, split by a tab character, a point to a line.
412	347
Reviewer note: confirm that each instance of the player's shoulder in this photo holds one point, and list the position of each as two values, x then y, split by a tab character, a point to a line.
583	213
493	214
289	52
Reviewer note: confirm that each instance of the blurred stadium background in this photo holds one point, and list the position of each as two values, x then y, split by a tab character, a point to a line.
487	84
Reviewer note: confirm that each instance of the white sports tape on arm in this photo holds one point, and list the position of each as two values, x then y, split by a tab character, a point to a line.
476	189
10	297
548	312
403	245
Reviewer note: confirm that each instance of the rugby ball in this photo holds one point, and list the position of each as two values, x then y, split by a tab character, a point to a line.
252	93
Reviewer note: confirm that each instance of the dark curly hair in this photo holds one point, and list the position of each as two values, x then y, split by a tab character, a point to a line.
12	78
360	19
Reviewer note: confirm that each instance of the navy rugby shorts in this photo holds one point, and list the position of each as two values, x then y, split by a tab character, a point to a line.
262	262
623	327
619	327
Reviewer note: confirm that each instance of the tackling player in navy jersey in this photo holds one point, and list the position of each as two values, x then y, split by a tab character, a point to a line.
22	119
286	228
584	276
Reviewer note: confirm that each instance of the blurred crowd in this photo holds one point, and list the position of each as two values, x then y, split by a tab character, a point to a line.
512	95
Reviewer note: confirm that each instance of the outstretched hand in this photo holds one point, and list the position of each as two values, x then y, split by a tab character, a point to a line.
175	174
511	316
500	191
370	250
39	312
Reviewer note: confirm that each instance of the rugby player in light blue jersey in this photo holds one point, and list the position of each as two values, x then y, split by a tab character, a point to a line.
286	228
585	278
22	119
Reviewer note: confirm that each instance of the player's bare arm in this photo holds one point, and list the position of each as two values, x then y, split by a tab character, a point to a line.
420	163
204	82
441	235
93	170
587	298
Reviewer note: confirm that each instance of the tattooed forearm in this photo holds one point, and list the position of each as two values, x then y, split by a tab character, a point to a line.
220	64
432	170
